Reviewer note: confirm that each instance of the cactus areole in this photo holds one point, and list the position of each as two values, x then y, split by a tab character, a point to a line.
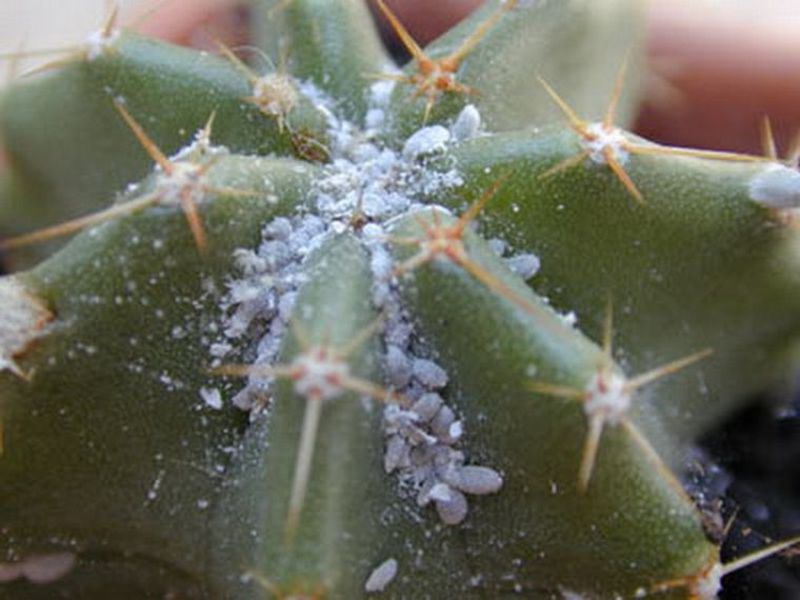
334	329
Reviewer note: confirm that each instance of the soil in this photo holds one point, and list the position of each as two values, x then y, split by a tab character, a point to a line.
757	455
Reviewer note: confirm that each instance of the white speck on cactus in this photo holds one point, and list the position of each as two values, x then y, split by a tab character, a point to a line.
211	397
569	318
776	186
381	576
603	138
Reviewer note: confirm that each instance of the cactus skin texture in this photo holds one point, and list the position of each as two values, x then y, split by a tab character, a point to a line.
327	254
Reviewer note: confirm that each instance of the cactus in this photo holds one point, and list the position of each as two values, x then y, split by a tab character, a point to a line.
409	333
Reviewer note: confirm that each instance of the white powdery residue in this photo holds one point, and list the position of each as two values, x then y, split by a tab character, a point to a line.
381	91
321	101
199	147
211	397
776	186
426	141
374	119
524	265
381	576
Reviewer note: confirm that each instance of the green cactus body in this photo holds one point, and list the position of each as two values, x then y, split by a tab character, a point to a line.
382	358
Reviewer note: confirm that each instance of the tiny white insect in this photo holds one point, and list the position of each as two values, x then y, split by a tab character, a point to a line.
425	141
381	576
467	123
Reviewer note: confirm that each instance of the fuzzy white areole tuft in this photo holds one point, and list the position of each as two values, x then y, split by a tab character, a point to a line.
24	318
709	585
185	181
319	374
274	94
599	138
607	395
98	42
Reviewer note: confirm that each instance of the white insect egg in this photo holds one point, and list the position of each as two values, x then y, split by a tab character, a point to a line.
478	480
602	138
453	510
607	394
398	367
397	454
427	406
319	374
429	374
